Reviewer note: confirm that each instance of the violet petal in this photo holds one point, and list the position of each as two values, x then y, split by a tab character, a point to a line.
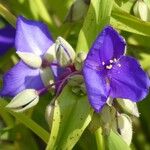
21	77
109	45
128	80
32	36
7	38
97	88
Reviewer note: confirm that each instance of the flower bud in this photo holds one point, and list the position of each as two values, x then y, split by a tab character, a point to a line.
123	124
30	59
24	100
79	60
78	10
49	114
141	10
107	117
128	106
47	76
50	54
64	52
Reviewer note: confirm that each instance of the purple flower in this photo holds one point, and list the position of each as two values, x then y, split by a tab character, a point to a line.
109	73
31	37
7	38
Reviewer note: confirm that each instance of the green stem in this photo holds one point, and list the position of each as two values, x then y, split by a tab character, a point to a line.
7	15
43	12
7	118
38	130
99	139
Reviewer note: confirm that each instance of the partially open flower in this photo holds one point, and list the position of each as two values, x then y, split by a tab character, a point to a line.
32	41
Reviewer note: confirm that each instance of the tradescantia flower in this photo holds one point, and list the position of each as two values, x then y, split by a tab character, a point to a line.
109	73
7	36
38	53
32	37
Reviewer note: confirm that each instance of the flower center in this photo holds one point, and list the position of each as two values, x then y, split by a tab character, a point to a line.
110	64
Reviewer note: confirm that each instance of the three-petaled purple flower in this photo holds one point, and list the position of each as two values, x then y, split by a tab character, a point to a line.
31	37
7	36
109	73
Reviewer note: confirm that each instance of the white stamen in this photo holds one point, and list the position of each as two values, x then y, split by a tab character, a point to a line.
115	60
103	63
109	67
111	61
119	65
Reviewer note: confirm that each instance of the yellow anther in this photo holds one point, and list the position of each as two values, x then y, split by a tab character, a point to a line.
111	61
109	67
119	65
103	63
115	59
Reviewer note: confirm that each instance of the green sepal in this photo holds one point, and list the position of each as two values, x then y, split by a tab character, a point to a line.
71	116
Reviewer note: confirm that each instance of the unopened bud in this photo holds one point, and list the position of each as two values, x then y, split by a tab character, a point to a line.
123	124
24	100
78	10
65	54
47	76
30	59
107	117
128	106
141	10
79	60
49	114
50	54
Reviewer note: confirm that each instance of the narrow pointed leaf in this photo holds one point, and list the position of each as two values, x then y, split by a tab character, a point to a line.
97	17
124	21
71	116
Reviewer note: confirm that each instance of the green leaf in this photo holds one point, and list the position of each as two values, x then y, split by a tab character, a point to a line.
7	15
115	142
142	54
43	134
59	10
86	142
43	12
124	21
71	116
97	17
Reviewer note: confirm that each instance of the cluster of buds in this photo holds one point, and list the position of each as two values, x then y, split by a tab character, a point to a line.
116	117
63	56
